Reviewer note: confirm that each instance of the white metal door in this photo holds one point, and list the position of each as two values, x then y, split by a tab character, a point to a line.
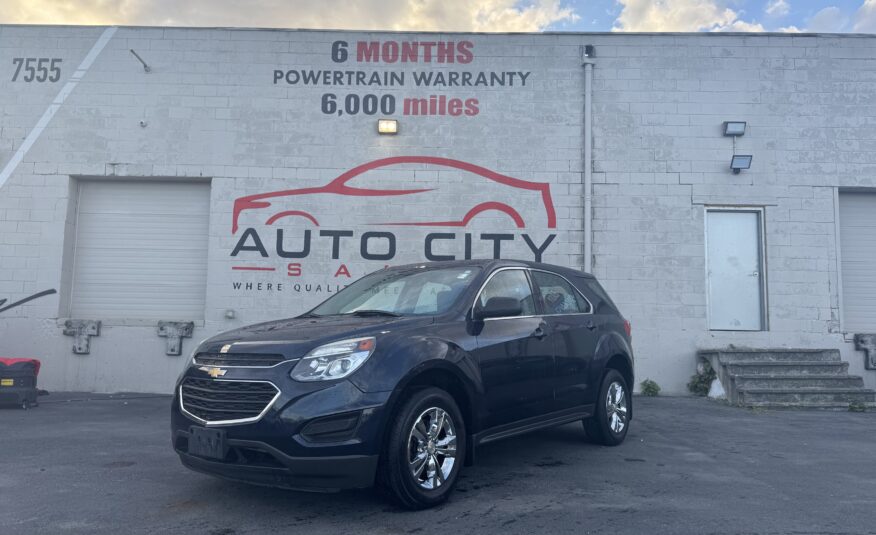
735	276
141	250
857	212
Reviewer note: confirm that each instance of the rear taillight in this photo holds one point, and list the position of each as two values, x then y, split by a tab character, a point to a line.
628	328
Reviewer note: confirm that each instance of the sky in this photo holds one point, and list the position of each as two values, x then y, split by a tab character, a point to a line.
461	15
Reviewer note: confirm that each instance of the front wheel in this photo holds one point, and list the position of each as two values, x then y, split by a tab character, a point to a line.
609	424
424	451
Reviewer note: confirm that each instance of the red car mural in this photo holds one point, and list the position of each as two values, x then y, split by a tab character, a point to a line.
493	194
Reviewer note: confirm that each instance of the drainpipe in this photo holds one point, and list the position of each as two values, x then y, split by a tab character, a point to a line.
588	63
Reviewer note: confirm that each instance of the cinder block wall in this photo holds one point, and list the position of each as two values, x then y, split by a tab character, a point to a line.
212	109
660	159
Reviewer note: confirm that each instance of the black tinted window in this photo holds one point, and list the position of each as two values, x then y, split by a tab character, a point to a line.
558	296
602	303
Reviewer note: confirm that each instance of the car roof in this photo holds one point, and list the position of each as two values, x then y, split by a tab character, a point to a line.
491	264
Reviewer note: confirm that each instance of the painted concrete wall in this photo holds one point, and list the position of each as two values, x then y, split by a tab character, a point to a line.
213	107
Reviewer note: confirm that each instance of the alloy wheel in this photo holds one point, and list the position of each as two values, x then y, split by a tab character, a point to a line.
432	448
616	407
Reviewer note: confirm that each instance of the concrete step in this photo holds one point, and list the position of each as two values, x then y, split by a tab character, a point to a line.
778	355
753	396
787	368
834	406
786	378
792	381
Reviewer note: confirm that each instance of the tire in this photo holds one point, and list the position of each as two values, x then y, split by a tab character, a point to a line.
610	423
412	437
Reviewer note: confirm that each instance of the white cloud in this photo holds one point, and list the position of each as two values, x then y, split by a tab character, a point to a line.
680	16
740	26
438	15
789	29
830	19
777	8
865	18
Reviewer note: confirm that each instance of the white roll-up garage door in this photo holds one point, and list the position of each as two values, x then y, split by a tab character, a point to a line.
858	257
141	250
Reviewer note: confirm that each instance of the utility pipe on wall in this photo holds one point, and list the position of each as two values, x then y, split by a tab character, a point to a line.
588	64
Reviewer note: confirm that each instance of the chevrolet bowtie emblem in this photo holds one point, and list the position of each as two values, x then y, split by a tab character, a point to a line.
213	372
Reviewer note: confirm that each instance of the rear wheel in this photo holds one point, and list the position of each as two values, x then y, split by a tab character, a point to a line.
424	450
610	422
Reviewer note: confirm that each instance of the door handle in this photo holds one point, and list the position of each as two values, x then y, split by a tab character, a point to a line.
590	324
540	331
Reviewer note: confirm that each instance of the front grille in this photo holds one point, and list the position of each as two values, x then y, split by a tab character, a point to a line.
238	359
215	401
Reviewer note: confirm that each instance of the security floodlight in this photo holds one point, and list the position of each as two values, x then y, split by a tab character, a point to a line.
387	127
734	128
740	162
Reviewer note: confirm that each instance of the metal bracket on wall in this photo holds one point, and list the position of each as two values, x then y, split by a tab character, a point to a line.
82	331
867	344
175	331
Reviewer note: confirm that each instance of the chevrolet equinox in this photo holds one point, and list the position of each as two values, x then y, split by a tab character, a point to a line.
396	379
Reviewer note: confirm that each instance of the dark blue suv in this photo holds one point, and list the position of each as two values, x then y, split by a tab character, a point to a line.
398	378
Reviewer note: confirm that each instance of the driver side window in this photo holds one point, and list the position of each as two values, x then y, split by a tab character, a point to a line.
509	283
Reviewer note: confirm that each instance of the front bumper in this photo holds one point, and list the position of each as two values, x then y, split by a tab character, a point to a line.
274	468
295	443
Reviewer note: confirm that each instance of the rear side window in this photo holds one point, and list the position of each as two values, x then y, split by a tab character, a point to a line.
558	296
509	283
603	303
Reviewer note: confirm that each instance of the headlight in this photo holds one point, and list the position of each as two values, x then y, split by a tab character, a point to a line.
334	361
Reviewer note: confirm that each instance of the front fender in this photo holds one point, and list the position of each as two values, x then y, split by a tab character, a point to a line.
413	356
408	357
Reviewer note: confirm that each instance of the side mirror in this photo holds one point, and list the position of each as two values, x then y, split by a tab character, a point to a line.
498	307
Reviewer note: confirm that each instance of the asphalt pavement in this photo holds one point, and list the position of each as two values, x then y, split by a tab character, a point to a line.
104	464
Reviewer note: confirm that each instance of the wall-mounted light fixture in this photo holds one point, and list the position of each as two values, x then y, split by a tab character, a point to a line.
739	162
734	128
387	127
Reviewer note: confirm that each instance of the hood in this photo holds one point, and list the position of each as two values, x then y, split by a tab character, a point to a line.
295	337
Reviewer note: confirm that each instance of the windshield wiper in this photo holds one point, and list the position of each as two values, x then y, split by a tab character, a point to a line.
374	312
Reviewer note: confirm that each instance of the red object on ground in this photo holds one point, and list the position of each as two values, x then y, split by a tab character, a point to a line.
10	361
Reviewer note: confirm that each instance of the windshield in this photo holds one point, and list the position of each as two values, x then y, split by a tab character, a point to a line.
403	292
